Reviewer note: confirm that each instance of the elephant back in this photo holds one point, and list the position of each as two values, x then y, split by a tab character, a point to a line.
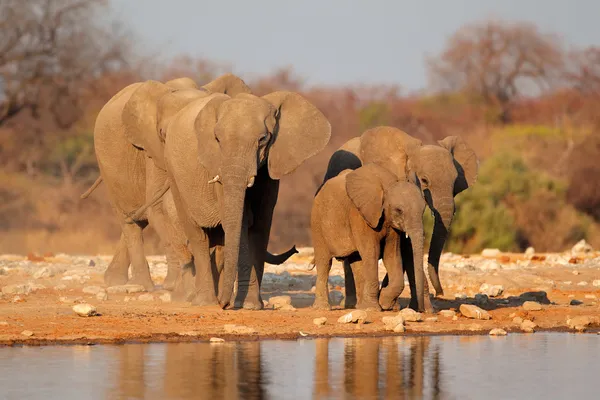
389	147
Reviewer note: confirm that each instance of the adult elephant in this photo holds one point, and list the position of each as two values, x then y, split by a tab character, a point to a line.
441	172
225	164
131	165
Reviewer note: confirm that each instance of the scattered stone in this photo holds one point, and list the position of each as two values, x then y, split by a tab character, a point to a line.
127	299
591	296
596	283
392	322
575	302
216	340
518	320
582	283
431	319
281	302
481	299
532	306
18	288
356	316
60	286
490	252
43	272
3	323
491	265
530	252
102	296
447	313
238	329
92	289
528	326
165	297
27	333
145	297
399	328
582	247
460	296
320	321
576	272
472	311
581	322
92	263
189	333
411	315
17	299
84	310
455	318
567	282
313	289
491	290
126	289
498	332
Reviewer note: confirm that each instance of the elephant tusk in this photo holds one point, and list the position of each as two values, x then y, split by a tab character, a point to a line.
406	234
217	178
251	182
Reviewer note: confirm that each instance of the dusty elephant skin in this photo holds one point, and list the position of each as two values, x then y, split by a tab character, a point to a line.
441	171
360	216
224	156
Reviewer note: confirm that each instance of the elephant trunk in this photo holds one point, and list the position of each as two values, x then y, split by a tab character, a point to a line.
416	238
441	225
234	192
278	259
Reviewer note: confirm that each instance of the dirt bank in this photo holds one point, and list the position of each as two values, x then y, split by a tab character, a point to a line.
38	294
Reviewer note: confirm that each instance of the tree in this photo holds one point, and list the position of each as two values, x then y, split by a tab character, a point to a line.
497	62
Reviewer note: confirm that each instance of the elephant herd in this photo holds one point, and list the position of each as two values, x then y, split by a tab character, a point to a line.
203	164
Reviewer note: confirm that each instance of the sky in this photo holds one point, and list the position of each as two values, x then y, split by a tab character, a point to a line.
335	42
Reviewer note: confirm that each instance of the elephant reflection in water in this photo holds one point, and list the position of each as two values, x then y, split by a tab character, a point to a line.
194	371
380	368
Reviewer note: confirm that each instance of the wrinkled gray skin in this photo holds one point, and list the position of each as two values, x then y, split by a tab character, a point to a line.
224	165
129	151
441	171
360	216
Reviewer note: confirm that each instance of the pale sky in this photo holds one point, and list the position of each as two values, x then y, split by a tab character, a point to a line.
336	41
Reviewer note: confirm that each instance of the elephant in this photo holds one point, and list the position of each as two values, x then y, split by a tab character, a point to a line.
224	164
441	171
357	216
131	164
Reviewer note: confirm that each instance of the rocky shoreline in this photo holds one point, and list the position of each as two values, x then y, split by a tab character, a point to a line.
61	299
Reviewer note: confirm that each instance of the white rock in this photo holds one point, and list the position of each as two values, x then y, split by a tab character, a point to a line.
189	333
490	265
491	290
3	323
279	302
216	340
447	313
582	247
60	286
582	283
320	321
498	332
567	282
34	287
528	326
532	306
146	297
84	310
490	252
359	316
165	297
238	329
18	288
472	311
102	296
596	283
43	272
17	299
460	296
126	289
399	328
411	315
530	252
392	322
92	289
591	296
27	333
576	272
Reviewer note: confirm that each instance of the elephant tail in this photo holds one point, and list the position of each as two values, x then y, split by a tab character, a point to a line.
312	264
278	259
92	188
135	216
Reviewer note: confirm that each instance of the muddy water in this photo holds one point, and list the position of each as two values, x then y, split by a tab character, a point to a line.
538	366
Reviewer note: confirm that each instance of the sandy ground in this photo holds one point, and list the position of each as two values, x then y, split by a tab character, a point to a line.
39	292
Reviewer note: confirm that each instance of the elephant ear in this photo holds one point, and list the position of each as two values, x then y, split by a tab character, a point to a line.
209	151
139	118
465	161
301	132
388	146
182	83
228	84
365	187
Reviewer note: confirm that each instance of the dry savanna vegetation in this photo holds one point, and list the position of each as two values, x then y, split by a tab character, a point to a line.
525	100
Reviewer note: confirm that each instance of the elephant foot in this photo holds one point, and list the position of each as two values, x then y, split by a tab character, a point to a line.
170	280
205	299
320	304
369	305
185	287
115	277
248	298
146	282
428	305
350	302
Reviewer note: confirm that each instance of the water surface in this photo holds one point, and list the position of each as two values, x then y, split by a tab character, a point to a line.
537	366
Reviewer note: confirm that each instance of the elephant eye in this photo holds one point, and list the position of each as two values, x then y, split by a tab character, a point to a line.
264	138
425	181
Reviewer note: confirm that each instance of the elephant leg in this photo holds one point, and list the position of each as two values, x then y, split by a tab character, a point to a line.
349	285
248	288
395	275
356	267
369	250
408	263
140	271
117	272
323	265
204	280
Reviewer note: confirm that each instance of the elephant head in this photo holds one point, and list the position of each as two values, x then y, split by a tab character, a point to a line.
376	192
442	172
239	135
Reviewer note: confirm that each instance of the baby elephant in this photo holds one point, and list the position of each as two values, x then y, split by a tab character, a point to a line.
358	215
